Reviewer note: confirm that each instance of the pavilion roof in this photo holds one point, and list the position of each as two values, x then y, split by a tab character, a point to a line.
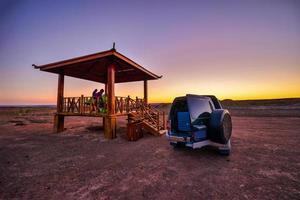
93	67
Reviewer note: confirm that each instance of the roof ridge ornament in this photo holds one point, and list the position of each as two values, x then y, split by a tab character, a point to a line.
35	66
114	46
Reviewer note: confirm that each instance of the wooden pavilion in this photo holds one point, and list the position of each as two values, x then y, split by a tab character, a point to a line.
107	67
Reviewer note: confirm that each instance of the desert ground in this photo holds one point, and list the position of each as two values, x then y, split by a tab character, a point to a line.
79	163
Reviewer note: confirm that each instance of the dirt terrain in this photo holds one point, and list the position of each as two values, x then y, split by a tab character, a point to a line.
80	164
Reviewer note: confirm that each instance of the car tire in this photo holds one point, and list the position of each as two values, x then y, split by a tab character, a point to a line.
174	145
224	152
177	145
220	126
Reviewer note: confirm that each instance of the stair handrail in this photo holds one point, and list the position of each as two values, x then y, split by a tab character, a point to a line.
146	112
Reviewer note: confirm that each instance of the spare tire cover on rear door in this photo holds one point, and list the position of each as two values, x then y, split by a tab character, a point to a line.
220	126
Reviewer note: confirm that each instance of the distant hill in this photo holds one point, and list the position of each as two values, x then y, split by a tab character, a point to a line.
262	102
257	102
27	106
289	107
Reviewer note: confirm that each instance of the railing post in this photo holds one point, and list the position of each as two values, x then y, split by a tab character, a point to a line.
68	103
64	105
116	104
164	121
158	121
137	104
122	105
91	105
81	104
72	103
127	104
142	109
84	105
145	92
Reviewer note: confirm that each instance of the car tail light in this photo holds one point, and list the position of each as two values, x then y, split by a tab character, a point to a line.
169	125
193	136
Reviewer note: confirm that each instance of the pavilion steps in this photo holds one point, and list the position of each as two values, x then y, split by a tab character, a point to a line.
152	129
149	126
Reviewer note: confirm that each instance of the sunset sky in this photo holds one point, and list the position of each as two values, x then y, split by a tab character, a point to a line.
232	49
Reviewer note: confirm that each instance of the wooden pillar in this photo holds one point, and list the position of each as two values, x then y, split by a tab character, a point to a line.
58	118
146	91
105	93
110	119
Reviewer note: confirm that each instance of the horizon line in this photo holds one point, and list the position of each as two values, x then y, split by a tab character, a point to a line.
53	105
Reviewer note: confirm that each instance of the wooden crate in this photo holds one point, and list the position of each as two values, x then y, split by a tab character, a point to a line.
134	131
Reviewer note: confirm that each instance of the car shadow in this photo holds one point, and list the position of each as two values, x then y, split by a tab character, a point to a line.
209	151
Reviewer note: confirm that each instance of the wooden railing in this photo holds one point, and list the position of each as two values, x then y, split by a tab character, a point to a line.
123	105
90	105
127	104
82	105
154	117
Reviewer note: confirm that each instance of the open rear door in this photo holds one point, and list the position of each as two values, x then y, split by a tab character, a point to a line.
199	108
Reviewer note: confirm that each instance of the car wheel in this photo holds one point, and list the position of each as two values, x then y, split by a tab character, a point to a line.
220	126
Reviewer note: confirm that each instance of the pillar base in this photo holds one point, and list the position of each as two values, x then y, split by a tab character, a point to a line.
59	121
110	126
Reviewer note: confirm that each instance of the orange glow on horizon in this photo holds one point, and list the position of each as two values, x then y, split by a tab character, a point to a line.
232	86
157	95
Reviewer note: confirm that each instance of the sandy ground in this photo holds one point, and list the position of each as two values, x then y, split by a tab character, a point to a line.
81	164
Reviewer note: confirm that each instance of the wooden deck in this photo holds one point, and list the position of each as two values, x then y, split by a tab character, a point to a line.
82	114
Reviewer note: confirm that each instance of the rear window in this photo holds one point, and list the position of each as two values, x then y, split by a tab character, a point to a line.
198	108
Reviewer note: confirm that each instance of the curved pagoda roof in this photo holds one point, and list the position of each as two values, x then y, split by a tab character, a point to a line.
93	67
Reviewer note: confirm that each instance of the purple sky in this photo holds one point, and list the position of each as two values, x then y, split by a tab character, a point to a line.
233	49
